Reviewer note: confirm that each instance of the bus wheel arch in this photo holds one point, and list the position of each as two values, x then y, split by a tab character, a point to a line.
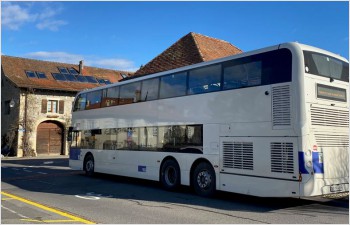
203	178
170	174
89	164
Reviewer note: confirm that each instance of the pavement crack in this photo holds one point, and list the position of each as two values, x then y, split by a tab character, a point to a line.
140	203
220	213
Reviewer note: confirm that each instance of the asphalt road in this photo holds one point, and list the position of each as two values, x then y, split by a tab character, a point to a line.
45	190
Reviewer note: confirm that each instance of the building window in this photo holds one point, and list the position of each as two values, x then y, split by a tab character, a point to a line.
41	75
63	70
52	106
31	74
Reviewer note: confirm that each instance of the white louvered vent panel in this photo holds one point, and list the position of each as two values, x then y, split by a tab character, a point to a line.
282	157
332	140
329	117
238	155
281	106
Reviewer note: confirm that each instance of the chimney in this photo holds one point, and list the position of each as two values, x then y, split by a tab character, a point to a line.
81	66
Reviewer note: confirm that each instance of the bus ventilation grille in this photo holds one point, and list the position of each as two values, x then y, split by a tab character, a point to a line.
282	160
332	140
281	106
329	117
238	155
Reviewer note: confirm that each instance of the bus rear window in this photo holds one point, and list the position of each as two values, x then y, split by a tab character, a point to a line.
326	66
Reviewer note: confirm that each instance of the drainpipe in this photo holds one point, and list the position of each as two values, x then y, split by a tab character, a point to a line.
24	142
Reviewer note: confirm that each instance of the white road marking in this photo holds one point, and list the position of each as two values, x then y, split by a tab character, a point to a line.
10	210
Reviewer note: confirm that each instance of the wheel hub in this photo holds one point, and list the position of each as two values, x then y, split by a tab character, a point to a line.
89	165
204	179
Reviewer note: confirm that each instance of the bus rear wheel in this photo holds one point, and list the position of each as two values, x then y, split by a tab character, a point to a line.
170	175
89	165
203	180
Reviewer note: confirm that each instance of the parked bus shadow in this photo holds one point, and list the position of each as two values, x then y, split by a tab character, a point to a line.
61	180
146	190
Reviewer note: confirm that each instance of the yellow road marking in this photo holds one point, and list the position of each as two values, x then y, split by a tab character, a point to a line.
5	199
70	216
48	221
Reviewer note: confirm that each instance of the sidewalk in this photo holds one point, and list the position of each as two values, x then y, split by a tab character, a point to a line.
35	157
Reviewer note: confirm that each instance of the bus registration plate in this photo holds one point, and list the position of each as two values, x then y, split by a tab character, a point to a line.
337	188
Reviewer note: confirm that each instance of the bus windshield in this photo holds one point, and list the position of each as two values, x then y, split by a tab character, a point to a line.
326	66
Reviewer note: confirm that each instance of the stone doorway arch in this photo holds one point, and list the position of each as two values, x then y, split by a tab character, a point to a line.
49	138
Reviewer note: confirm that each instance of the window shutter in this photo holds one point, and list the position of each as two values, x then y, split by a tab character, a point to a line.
61	107
44	106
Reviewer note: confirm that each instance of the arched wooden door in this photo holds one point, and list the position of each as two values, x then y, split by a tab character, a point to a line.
49	139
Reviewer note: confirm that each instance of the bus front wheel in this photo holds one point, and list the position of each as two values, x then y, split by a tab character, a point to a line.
203	179
89	165
170	175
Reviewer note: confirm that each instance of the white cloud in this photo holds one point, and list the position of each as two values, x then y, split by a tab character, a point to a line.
64	57
52	25
120	64
15	15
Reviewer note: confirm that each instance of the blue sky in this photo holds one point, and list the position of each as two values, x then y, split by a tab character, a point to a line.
126	35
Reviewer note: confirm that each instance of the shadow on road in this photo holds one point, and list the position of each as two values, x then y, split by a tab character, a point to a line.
52	175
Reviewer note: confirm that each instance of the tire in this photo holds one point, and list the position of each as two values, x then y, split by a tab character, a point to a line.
203	180
170	175
89	165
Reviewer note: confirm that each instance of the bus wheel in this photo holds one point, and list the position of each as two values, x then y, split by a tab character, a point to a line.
170	175
203	180
89	165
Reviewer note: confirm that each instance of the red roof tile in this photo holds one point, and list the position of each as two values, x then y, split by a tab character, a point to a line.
190	49
14	69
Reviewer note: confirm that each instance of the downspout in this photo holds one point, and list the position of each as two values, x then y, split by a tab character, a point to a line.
25	122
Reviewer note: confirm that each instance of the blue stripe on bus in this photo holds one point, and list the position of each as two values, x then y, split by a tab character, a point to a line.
318	166
74	153
302	168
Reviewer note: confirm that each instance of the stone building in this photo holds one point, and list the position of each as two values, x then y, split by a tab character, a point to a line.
37	97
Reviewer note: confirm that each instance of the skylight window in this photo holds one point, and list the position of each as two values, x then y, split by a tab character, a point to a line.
63	70
91	79
107	81
73	71
59	76
101	81
70	77
31	74
41	75
81	78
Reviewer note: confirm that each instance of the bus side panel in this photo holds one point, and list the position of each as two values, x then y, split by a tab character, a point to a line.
75	161
259	165
257	186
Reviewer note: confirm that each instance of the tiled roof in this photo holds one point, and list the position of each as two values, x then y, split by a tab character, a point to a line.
190	49
14	69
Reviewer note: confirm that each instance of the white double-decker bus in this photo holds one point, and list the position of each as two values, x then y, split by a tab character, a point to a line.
272	122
